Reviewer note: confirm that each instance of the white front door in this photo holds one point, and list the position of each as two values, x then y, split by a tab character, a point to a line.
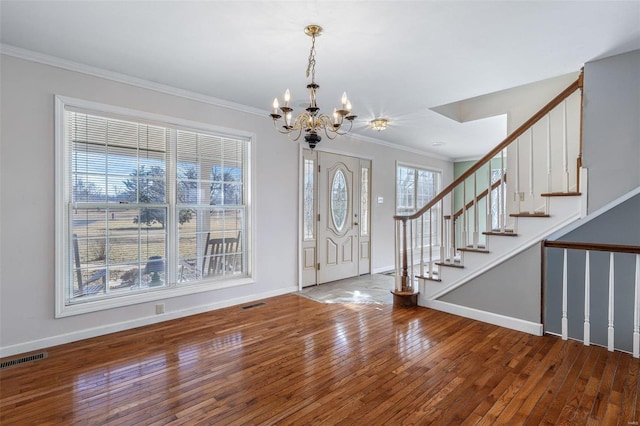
338	232
336	209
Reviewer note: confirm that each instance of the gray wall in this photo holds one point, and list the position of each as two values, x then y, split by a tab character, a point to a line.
620	225
611	127
27	205
511	288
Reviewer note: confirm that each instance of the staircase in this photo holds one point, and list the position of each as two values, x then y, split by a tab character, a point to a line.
523	190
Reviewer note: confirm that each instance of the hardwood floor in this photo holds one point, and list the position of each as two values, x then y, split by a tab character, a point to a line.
296	361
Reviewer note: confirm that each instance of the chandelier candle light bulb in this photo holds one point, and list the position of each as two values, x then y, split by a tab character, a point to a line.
287	98
310	121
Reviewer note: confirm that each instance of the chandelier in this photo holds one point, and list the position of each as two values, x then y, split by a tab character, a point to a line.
311	122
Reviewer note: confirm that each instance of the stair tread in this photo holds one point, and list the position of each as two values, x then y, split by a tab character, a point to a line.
506	233
474	250
561	194
527	214
428	278
451	265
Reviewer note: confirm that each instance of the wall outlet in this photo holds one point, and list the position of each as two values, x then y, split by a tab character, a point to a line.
160	308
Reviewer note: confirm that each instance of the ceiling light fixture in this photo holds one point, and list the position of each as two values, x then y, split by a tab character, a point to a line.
379	124
311	121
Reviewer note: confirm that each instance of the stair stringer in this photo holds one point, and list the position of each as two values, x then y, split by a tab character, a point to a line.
563	211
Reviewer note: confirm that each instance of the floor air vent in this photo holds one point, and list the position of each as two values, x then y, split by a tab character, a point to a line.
28	358
255	305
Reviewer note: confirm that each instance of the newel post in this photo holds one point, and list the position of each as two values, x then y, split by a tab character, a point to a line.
405	296
404	280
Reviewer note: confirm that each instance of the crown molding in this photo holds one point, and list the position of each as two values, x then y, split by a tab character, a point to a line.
65	64
123	78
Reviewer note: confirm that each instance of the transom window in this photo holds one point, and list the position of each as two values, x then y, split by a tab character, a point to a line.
146	207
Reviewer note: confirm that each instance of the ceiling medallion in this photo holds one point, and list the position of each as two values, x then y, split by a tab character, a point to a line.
311	122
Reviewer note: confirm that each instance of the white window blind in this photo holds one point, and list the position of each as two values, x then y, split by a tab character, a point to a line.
148	206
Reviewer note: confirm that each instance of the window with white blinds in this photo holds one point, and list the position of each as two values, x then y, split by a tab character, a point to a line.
147	207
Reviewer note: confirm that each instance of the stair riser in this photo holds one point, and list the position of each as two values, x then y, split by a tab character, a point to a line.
564	210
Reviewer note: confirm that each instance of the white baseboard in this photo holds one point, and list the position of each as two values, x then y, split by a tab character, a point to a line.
383	269
48	342
489	317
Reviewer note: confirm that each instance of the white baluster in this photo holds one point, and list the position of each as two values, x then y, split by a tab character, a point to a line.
441	230
610	331
431	242
565	321
452	230
411	262
501	192
587	303
549	171
489	194
398	256
422	245
565	148
531	191
463	235
636	311
517	175
476	216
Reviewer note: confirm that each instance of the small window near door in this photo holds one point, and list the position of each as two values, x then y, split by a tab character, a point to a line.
364	202
309	172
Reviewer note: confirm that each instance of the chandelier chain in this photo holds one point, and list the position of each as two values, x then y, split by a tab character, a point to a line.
311	67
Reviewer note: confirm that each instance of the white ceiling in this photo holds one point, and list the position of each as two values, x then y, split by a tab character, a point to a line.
396	59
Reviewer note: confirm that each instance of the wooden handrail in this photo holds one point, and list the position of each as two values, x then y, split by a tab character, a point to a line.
612	248
495	151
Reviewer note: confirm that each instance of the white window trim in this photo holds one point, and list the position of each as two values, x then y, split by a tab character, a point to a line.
62	269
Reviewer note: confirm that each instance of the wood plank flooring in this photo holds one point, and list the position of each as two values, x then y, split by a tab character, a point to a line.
297	361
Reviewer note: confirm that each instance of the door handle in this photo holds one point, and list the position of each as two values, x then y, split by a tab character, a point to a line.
355	223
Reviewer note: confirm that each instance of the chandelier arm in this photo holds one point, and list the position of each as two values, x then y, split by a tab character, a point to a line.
300	122
327	126
284	132
297	132
342	132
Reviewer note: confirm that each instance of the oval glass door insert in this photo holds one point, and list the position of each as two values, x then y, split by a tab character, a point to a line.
339	199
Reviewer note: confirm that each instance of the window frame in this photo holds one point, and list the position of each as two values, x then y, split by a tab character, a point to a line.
405	212
63	238
415	191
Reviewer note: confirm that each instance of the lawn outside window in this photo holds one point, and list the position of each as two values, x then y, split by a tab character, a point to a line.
146	208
